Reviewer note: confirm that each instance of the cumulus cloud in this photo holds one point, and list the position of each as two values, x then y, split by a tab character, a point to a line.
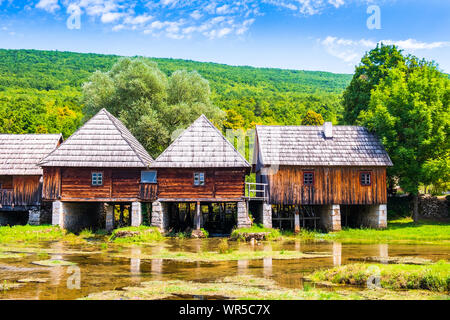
350	51
48	5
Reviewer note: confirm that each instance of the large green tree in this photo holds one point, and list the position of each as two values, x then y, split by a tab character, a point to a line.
153	106
375	66
409	110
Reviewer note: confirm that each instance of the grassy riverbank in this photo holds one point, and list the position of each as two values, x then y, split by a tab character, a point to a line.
33	234
434	277
400	231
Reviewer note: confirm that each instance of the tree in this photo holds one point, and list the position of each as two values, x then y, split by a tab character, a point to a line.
374	66
409	111
312	119
152	105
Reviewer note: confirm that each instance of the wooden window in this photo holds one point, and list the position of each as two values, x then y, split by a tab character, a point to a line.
97	178
148	177
308	178
365	178
199	179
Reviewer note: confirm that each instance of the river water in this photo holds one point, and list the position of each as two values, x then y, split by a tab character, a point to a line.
99	268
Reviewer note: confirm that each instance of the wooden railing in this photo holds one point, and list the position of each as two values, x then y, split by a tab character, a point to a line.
6	197
256	191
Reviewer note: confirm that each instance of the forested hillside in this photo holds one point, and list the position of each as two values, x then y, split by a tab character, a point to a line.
40	90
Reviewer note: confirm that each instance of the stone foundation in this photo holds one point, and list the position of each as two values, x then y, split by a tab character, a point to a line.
136	214
40	215
374	216
331	217
109	217
243	220
76	216
160	216
267	215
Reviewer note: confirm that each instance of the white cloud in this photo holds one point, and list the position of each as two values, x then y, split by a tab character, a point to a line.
351	51
48	5
109	17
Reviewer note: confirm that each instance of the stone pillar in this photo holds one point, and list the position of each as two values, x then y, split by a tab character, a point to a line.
243	220
136	214
58	214
267	215
160	216
198	217
377	217
297	220
109	220
34	217
331	217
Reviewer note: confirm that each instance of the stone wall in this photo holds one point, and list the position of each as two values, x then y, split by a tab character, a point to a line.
331	217
267	215
373	216
160	215
243	220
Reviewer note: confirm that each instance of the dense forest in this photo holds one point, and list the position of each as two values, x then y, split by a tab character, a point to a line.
40	90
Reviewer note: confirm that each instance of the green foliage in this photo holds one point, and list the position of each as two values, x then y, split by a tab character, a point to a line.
375	66
409	111
248	95
312	119
273	234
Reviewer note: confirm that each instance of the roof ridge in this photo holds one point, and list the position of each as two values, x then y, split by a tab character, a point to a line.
109	115
201	117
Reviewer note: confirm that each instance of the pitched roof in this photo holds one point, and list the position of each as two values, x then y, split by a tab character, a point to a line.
201	145
307	146
103	141
20	153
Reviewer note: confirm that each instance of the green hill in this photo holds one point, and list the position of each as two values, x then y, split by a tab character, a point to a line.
39	90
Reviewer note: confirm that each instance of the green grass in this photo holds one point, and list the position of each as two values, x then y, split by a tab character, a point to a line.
274	234
229	255
434	277
141	234
403	230
30	234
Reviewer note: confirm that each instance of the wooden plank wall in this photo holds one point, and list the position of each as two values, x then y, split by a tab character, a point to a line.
27	190
75	184
332	185
219	183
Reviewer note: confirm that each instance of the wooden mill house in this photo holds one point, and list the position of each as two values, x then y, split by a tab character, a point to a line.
21	177
321	176
100	167
201	181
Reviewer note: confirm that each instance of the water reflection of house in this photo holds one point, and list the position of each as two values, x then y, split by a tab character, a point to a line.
21	177
321	176
99	168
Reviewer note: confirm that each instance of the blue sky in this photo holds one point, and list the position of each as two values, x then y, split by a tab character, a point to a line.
327	35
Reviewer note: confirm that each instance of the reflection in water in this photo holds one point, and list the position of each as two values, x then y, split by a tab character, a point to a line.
383	252
242	266
337	254
135	261
103	270
267	263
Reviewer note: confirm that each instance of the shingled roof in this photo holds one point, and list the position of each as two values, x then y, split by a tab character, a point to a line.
201	145
307	146
20	153
103	141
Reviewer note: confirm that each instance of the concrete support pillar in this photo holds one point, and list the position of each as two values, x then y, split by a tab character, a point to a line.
331	217
267	215
58	214
297	220
109	222
198	217
377	216
160	216
243	220
136	214
34	217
